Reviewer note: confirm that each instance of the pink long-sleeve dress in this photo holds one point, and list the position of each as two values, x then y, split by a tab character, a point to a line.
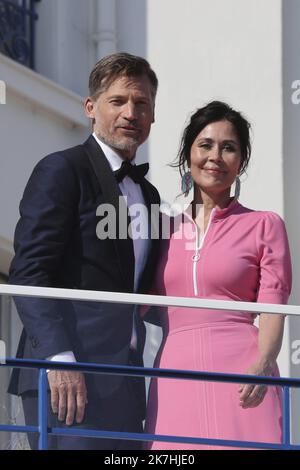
243	256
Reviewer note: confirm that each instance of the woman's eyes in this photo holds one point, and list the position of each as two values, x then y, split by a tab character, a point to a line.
229	148
226	147
205	146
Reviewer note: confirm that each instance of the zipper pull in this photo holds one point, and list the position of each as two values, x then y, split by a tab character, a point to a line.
196	257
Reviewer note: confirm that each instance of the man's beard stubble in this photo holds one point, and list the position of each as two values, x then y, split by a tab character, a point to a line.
127	144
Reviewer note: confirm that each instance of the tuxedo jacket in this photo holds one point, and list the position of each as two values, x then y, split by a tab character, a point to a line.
56	245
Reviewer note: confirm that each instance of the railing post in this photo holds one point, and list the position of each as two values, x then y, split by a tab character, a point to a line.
286	417
43	410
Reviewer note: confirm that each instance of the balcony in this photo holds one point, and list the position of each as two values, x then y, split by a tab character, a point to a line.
108	298
17	30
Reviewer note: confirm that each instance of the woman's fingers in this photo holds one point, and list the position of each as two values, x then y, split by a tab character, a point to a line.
245	391
251	396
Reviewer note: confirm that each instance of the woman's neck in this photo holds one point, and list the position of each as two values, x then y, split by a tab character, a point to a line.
205	202
210	201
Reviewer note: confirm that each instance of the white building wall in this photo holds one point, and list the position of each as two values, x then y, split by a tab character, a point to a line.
218	50
64	45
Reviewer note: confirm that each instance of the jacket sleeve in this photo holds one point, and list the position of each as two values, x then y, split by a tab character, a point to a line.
47	212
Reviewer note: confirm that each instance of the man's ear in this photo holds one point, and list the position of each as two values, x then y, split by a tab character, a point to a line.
153	116
89	108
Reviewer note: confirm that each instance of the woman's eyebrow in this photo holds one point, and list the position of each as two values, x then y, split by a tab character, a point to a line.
230	141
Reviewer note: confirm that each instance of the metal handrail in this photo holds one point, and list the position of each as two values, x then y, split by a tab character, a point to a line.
146	299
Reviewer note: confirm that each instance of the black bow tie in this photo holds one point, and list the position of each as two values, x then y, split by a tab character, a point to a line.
135	172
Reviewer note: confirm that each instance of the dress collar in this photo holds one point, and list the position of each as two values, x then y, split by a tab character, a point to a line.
233	207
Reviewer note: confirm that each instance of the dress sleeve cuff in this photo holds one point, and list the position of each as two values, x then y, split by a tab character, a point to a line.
273	297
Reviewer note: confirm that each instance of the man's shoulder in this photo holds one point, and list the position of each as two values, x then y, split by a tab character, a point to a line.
70	157
71	154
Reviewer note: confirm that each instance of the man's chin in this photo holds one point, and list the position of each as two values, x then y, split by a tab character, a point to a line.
127	145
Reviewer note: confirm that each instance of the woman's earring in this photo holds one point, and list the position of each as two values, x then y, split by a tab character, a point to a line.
186	182
237	189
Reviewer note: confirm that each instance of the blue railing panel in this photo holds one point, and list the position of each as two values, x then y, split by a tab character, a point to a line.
44	431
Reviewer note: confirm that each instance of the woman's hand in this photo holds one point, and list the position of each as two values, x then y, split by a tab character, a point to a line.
252	395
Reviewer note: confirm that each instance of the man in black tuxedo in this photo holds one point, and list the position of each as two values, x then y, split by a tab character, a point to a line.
59	243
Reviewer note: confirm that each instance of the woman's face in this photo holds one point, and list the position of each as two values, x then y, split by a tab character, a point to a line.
216	157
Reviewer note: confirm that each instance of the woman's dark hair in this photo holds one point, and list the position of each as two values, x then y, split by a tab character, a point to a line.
213	112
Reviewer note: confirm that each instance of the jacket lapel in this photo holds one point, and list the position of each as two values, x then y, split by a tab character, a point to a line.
153	202
112	193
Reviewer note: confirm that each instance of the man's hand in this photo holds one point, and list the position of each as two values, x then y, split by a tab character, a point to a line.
68	395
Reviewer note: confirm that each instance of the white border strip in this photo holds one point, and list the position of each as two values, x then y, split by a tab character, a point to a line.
143	299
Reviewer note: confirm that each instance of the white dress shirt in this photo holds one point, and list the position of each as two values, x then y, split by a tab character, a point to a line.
141	245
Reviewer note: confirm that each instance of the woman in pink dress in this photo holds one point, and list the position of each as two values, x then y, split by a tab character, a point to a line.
221	250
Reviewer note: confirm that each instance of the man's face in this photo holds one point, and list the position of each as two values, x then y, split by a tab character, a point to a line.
123	114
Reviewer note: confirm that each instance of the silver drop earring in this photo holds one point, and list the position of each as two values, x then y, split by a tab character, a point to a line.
186	182
237	188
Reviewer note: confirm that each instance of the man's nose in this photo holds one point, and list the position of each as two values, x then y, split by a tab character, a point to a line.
129	111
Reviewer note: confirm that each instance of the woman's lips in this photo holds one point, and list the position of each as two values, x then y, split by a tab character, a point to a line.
214	171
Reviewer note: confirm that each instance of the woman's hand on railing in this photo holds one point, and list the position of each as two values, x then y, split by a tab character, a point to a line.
68	395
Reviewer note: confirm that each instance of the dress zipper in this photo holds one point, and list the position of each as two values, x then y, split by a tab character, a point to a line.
196	255
195	258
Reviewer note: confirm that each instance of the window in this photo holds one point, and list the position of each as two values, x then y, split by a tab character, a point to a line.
17	27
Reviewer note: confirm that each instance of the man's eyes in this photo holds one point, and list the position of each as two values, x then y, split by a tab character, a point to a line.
119	102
